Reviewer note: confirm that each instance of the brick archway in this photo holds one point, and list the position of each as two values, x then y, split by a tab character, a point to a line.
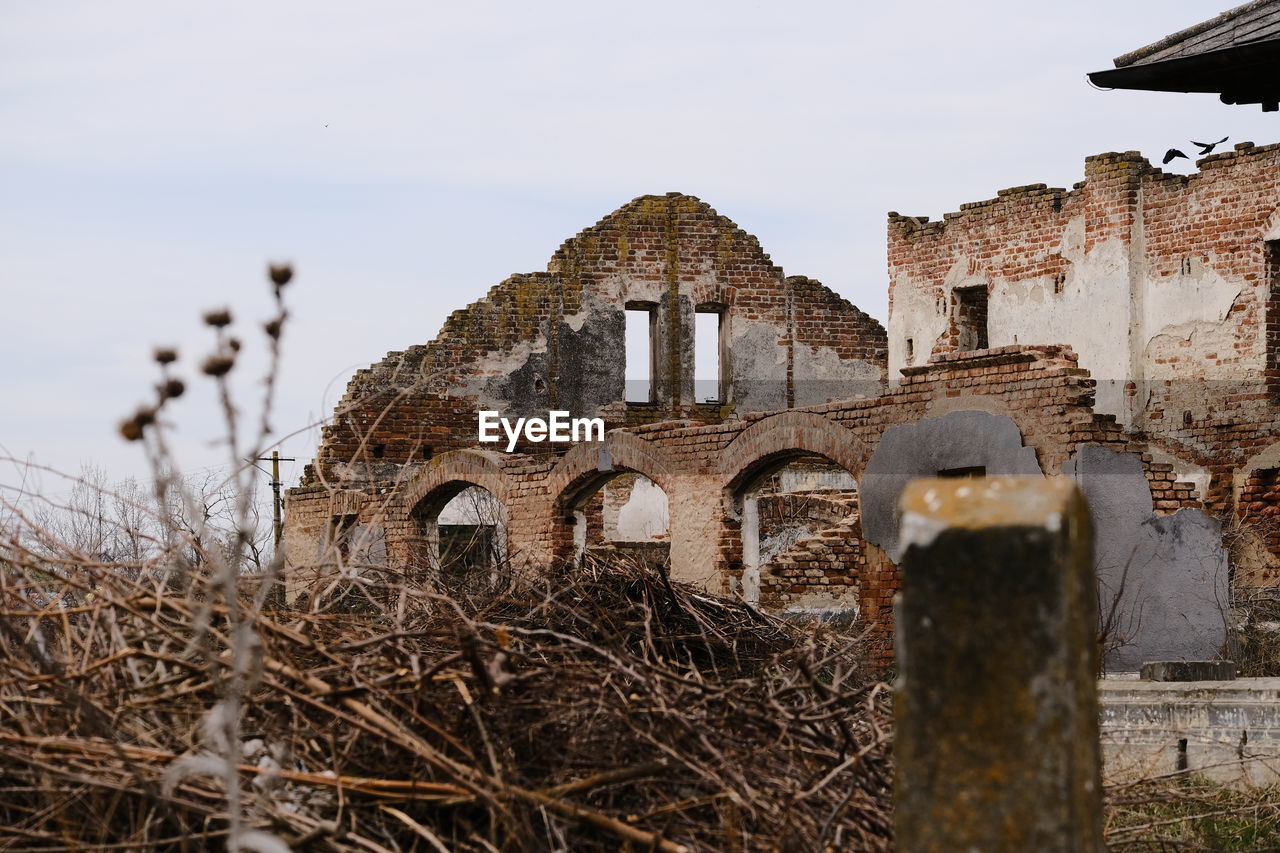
785	435
763	447
620	451
587	467
425	497
450	473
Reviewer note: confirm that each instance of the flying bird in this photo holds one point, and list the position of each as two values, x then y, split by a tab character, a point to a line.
1173	153
1207	147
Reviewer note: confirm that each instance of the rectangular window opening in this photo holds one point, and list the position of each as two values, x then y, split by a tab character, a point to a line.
960	473
341	531
707	386
638	373
971	318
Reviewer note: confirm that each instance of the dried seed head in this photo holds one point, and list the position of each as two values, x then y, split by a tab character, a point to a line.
218	319
172	388
273	329
218	365
281	274
166	355
133	428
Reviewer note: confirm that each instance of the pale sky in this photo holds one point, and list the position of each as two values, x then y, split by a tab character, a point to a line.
407	156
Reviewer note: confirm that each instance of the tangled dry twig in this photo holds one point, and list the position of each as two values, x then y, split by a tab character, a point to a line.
592	709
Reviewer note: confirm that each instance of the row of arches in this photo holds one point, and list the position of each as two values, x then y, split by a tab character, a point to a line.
792	512
621	496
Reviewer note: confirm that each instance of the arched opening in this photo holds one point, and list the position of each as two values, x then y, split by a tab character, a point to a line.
1254	535
611	496
461	535
619	513
800	534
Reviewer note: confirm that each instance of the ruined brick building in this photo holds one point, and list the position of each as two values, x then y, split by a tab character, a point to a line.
1124	333
1167	287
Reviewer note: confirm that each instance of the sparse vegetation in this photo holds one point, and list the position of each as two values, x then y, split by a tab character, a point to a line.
1191	813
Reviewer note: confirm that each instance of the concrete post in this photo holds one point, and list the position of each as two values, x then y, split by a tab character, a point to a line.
996	710
751	546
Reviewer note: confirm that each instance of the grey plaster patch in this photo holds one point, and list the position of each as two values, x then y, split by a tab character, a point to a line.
592	360
966	439
822	375
589	371
759	366
1162	578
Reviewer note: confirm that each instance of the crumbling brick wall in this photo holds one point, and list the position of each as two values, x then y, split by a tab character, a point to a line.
555	340
705	469
404	438
1165	285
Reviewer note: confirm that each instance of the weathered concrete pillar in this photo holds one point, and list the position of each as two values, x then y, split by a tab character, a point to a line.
751	546
996	736
694	523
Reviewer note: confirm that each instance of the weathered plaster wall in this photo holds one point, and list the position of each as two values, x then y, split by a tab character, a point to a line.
928	447
1162	578
1167	287
1227	731
1148	276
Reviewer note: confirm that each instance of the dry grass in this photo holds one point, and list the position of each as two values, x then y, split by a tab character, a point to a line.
1183	812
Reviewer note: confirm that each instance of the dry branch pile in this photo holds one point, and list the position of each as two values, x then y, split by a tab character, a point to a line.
600	709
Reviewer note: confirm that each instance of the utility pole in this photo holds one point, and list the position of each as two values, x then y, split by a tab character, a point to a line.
277	503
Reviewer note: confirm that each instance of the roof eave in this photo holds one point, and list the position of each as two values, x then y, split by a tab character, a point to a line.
1241	74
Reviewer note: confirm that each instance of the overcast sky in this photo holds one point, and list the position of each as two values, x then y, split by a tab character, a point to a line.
407	156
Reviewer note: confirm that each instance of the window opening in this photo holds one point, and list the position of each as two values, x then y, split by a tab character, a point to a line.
960	473
971	318
639	354
706	356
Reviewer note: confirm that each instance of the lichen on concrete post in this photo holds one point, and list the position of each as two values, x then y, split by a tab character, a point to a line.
996	708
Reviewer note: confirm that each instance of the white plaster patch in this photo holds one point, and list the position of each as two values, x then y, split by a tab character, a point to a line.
1091	311
644	516
1073	240
1201	296
915	312
1190	308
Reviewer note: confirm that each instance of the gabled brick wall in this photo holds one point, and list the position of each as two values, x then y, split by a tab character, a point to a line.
555	340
